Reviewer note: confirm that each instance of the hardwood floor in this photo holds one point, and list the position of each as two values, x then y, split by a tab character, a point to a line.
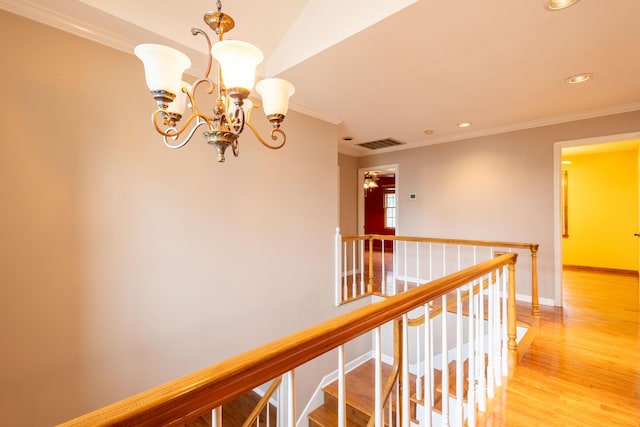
583	367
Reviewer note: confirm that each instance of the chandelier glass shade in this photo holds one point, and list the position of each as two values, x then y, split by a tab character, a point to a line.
370	182
237	62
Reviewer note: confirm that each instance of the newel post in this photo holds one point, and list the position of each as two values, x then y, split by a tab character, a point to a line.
535	306
511	318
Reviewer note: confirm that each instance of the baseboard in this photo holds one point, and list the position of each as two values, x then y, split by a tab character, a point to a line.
542	301
632	273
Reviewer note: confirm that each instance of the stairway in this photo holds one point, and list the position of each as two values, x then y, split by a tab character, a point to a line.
359	386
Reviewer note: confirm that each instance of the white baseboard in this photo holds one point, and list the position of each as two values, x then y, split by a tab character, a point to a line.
318	399
542	301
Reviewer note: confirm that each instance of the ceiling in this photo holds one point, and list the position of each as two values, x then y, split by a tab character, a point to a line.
396	69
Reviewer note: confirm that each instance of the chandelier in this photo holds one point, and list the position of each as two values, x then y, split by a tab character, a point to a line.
237	61
370	181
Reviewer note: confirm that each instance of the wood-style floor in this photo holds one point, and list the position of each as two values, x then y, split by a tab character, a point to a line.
583	367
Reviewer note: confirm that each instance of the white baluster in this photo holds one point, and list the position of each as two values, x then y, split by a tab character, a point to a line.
445	365
378	377
291	399
342	401
459	359
428	377
362	269
354	270
385	291
216	417
268	420
406	275
345	274
481	364
505	339
490	342
496	327
394	262
471	393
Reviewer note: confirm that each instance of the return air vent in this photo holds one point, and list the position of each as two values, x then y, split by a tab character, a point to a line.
381	143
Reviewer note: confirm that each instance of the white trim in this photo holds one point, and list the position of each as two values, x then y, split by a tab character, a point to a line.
542	301
317	398
67	23
548	121
361	172
64	21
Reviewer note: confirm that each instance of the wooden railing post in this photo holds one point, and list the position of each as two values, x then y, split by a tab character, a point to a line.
535	305
511	317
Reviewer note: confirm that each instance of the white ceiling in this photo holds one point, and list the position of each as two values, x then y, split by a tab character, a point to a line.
397	68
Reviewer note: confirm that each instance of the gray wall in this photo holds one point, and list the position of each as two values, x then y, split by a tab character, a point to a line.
498	187
348	166
125	264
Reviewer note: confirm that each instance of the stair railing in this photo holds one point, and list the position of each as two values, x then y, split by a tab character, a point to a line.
362	271
262	404
187	398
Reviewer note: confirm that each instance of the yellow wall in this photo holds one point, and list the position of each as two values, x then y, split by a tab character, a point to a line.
603	210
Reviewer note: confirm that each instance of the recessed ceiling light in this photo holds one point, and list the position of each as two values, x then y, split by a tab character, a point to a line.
579	78
428	132
347	138
464	124
560	4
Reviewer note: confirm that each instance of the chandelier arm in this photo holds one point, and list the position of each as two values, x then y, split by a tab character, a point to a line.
195	32
199	122
235	146
174	133
197	83
275	131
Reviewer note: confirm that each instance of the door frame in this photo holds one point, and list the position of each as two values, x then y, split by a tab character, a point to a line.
557	195
361	172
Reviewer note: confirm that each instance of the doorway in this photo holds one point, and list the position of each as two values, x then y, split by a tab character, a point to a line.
595	217
377	200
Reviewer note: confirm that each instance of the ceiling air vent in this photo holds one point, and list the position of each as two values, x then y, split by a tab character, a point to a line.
381	143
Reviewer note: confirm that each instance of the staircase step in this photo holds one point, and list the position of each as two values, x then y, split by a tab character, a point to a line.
360	395
323	417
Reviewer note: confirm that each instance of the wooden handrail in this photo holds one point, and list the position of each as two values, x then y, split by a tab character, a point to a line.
532	247
487	243
191	396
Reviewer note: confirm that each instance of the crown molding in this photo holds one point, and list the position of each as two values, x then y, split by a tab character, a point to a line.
62	19
547	121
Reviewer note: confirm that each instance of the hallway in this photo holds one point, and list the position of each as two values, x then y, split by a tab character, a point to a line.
583	368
